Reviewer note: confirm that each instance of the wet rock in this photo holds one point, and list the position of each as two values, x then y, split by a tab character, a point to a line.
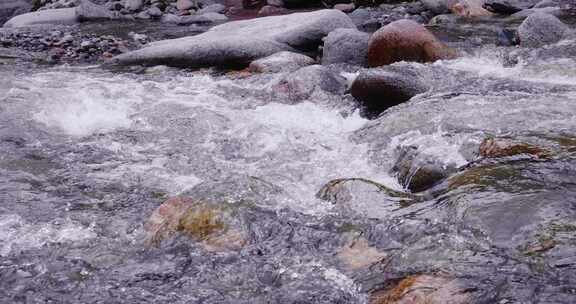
345	46
358	254
363	197
280	62
214	225
236	44
269	10
505	147
546	3
418	172
523	14
541	29
345	7
307	81
88	11
185	4
154	12
469	9
379	89
170	18
502	7
405	40
423	289
438	6
55	16
277	3
206	18
133	5
213	8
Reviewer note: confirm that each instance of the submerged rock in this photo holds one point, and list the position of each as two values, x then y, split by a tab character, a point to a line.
541	29
236	44
359	254
379	89
504	147
345	46
55	16
280	62
438	6
307	81
405	40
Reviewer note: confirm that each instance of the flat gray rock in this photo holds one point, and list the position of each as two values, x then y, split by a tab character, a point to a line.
236	44
280	62
55	16
346	46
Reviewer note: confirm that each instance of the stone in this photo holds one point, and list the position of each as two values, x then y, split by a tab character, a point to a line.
54	16
345	7
345	46
379	89
206	18
236	44
133	5
438	6
269	10
277	3
541	29
170	18
213	8
501	7
185	4
280	62
303	83
154	12
469	9
546	3
359	254
88	11
422	289
504	147
405	40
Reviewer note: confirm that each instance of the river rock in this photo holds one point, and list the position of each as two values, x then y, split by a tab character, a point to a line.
469	8
88	11
438	6
504	147
269	10
303	83
280	62
185	4
236	44
405	40
379	89
213	8
541	29
345	7
133	5
422	289
502	7
345	46
55	16
206	18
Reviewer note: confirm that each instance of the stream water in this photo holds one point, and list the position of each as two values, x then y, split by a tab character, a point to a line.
88	154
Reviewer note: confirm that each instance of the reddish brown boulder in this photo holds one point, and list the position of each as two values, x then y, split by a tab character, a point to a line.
405	40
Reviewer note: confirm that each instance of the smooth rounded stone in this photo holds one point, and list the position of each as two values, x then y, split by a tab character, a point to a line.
269	10
280	62
504	147
546	3
438	6
55	16
405	40
206	18
502	7
418	172
541	29
379	89
345	46
133	5
277	3
364	197
216	226
154	12
523	14
183	5
212	8
10	8
170	18
423	289
469	9
88	11
307	81
345	7
236	44
415	8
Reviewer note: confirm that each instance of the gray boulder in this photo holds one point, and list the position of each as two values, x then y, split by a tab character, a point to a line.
236	44
55	16
379	89
213	8
280	62
438	6
311	81
541	29
346	46
88	11
133	5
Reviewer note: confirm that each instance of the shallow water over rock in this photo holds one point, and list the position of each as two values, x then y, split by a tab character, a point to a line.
87	155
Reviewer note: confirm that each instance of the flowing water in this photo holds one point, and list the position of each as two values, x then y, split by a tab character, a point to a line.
88	154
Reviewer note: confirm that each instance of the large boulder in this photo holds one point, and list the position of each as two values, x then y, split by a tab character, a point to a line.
379	89
236	44
280	62
541	29
55	16
345	46
9	8
405	40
